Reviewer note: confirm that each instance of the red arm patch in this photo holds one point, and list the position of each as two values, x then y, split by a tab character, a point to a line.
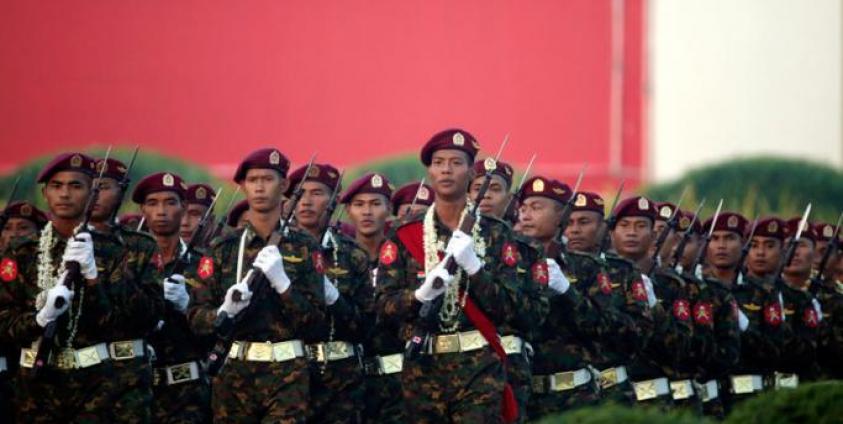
318	262
681	309
639	292
604	283
205	268
703	313
389	253
809	317
540	273
773	314
509	255
8	269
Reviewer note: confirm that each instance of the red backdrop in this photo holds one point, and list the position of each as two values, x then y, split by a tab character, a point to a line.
209	80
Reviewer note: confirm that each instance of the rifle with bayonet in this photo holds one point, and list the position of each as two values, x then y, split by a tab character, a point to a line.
830	250
511	211
225	326
428	321
4	217
72	278
124	187
792	244
330	227
744	252
556	246
679	252
603	240
206	238
699	260
182	262
670	226
408	215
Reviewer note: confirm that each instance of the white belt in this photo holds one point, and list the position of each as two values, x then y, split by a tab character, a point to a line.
785	380
512	344
745	384
386	364
612	377
86	356
330	351
682	389
561	381
458	342
266	351
3	366
651	389
179	373
708	391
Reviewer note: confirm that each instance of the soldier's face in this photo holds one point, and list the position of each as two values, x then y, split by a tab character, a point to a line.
163	211
764	255
449	174
190	220
497	195
16	227
409	208
669	243
66	193
819	251
692	247
633	236
803	258
538	218
724	249
310	211
368	212
106	200
264	189
582	230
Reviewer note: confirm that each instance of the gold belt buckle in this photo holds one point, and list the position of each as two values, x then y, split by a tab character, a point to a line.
337	350
236	350
645	390
786	381
562	381
87	357
608	378
284	351
122	350
179	373
510	345
65	359
742	384
469	341
447	343
260	352
391	364
27	357
680	389
317	351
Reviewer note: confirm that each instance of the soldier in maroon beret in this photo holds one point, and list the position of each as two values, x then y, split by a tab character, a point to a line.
766	247
267	158
132	220
24	220
498	194
110	192
724	249
633	233
411	199
198	199
239	215
317	189
586	220
824	232
541	200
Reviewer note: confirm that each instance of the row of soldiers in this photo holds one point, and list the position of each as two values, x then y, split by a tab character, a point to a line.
465	300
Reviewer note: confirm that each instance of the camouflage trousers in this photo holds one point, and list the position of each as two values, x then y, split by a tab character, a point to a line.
252	392
336	391
114	391
520	376
384	403
188	402
542	404
7	391
454	387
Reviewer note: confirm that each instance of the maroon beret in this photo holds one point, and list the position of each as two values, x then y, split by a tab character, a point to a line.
770	227
791	226
455	139
319	172
113	168
545	187
824	231
235	213
729	221
369	183
162	181
587	201
77	162
636	206
130	219
423	194
26	211
267	158
665	210
685	220
201	194
503	169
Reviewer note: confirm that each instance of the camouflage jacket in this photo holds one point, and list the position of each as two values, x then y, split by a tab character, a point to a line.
527	325
122	304
830	348
271	316
763	341
801	349
717	340
347	266
497	289
669	349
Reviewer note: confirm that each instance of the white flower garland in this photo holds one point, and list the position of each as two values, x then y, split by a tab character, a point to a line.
48	278
451	305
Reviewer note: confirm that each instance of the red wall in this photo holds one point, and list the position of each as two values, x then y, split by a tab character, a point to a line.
210	80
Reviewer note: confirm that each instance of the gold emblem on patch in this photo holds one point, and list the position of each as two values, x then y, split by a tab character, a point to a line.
201	193
581	200
76	161
26	210
424	194
538	185
684	223
458	139
665	212
377	181
643	204
274	158
732	222
773	226
598	201
313	172
168	180
490	164
828	231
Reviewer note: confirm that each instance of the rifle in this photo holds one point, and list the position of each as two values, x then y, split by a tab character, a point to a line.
672	222
603	238
412	204
182	262
509	211
225	325
699	260
744	252
4	216
556	246
222	220
833	244
787	258
74	275
124	186
429	313
686	237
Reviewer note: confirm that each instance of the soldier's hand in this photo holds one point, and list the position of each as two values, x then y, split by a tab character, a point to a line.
81	249
557	280
233	307
176	293
461	247
331	292
270	262
426	292
49	312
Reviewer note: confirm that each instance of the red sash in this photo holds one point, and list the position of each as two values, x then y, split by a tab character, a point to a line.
412	237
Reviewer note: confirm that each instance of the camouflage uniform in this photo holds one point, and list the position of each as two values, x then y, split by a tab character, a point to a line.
459	386
262	390
121	306
336	387
830	349
800	350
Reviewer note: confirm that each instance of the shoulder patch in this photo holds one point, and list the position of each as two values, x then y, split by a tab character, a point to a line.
8	269
639	292
388	253
318	261
205	268
509	254
604	283
810	318
681	309
540	273
703	313
773	314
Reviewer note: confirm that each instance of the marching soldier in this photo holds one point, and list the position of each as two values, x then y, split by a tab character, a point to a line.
459	371
402	200
100	319
25	220
238	216
180	392
198	200
336	380
828	290
266	374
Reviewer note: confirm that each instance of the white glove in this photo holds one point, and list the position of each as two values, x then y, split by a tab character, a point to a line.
558	282
176	292
331	292
743	321
49	312
426	292
461	247
269	261
231	306
651	292
81	249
